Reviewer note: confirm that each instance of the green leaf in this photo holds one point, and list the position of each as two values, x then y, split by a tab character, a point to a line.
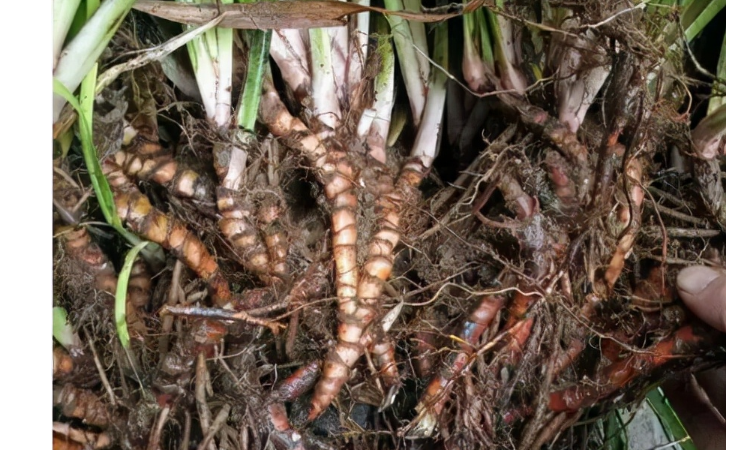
121	295
60	89
259	42
698	14
615	432
673	428
61	329
79	20
440	49
64	142
721	67
485	20
85	128
91	7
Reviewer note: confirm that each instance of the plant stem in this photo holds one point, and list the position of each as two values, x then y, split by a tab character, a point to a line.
407	56
78	57
359	46
474	70
375	121
426	143
506	62
289	52
325	101
211	57
419	36
63	12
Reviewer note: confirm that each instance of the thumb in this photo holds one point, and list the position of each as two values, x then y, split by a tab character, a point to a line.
704	291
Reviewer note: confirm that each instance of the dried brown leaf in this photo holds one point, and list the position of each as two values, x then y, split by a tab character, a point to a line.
278	15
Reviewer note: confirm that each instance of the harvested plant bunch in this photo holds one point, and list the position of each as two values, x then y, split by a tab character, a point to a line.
502	287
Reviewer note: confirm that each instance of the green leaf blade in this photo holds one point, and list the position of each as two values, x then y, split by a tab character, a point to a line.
259	42
85	126
670	422
698	15
121	295
62	331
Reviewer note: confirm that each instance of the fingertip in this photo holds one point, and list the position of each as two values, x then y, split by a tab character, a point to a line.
703	289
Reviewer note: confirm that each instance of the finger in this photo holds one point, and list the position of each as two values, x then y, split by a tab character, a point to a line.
704	291
697	415
714	383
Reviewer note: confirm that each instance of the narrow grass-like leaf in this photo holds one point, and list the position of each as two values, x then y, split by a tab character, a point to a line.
616	437
62	331
497	36
670	422
698	15
440	52
60	89
121	295
482	16
259	42
669	3
64	141
153	253
721	67
85	128
469	23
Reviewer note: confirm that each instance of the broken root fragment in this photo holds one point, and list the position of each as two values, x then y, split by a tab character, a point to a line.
433	400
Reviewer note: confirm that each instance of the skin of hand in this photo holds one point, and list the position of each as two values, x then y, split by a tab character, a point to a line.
704	291
700	400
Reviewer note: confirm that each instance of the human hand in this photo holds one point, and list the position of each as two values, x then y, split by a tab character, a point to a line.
704	291
701	402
